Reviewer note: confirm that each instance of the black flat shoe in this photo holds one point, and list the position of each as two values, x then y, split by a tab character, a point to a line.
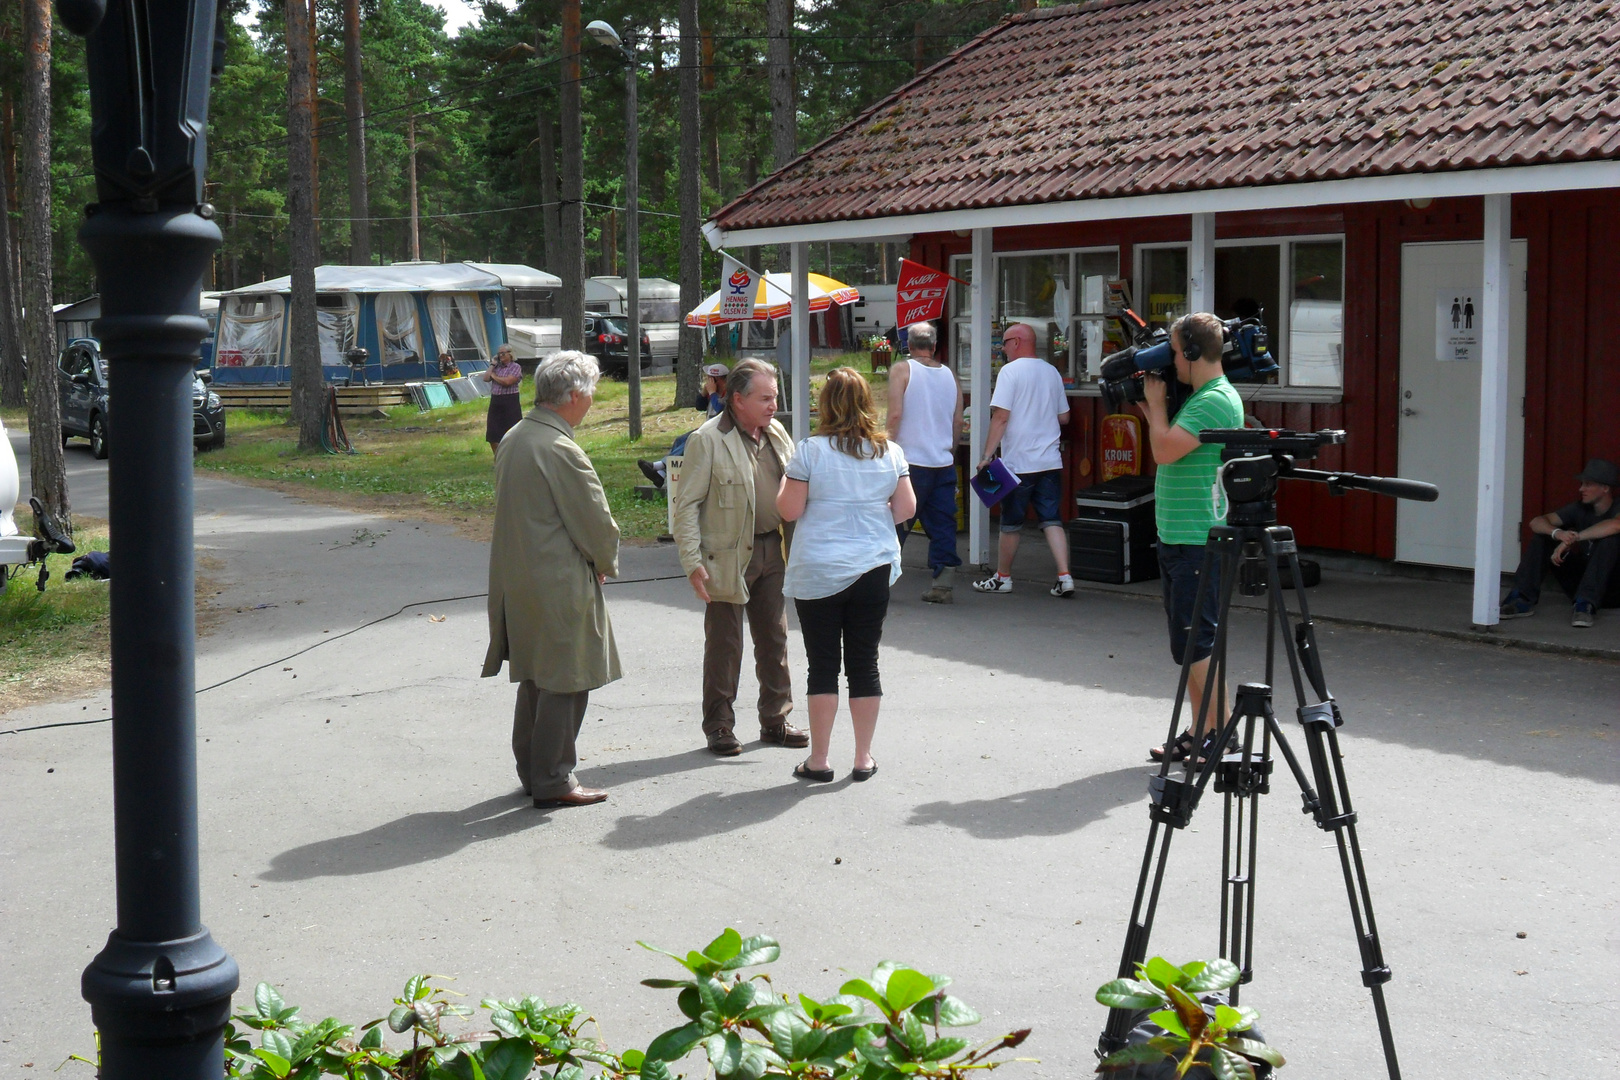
802	771
860	776
1183	745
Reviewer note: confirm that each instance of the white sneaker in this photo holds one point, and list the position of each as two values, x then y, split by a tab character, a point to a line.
994	583
1063	589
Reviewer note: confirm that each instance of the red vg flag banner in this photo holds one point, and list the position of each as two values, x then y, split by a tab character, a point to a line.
738	288
920	293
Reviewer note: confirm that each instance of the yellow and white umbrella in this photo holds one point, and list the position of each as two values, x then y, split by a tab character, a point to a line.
774	300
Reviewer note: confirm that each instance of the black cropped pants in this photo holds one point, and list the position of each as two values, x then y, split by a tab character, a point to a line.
848	622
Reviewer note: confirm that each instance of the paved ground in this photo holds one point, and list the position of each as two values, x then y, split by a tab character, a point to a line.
361	820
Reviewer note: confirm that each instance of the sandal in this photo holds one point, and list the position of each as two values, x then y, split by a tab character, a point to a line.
1183	745
863	775
802	771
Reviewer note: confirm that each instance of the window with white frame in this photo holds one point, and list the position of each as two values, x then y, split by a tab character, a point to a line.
1294	284
1060	295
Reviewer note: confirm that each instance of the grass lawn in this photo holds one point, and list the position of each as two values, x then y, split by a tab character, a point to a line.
54	641
437	465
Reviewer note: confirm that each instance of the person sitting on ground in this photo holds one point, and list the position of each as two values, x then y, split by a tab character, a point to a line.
710	400
1581	542
1027	411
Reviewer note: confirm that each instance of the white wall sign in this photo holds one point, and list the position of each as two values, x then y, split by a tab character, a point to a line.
1457	318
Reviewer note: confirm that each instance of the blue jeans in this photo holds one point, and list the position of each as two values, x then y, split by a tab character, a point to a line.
936	506
1178	580
1038	489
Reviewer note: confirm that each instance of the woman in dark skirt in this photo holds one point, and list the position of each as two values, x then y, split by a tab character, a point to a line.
504	407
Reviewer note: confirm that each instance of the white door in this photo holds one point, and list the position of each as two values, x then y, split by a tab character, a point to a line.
1441	301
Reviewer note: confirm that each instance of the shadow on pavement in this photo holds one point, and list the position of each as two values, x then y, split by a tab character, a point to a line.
1051	811
712	814
621	772
406	841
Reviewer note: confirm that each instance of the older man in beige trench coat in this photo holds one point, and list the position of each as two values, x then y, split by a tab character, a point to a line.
555	544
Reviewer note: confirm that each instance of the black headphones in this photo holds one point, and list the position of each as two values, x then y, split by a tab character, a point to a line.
1190	349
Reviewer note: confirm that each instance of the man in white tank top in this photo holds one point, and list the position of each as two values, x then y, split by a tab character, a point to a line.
925	415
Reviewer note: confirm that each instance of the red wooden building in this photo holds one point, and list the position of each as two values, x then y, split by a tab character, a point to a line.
1424	199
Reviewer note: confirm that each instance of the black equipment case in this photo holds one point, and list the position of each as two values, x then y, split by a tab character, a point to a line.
1113	537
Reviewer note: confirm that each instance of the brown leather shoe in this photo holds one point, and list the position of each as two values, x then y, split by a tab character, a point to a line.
724	743
580	796
783	733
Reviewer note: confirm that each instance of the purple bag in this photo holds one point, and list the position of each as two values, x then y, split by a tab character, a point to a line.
994	482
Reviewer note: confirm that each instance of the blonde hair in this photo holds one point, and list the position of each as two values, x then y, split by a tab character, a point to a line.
848	416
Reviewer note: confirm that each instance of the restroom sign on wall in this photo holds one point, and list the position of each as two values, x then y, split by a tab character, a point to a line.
1457	318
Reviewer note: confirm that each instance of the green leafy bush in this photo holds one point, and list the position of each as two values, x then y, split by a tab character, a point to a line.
746	1030
1191	1035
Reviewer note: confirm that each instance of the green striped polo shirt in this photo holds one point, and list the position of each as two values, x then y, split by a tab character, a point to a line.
1181	491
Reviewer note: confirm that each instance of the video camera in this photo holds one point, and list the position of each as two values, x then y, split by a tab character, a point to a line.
1245	357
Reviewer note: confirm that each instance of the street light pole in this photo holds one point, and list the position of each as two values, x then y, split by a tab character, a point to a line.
604	34
160	992
632	233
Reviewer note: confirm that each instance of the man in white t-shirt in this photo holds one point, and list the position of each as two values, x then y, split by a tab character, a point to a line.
1026	412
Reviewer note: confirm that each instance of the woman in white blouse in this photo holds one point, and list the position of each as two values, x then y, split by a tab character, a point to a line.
846	487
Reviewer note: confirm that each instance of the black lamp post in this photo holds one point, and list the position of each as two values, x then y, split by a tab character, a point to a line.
160	992
604	34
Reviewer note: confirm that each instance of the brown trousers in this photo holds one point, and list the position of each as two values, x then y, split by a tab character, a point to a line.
544	727
723	643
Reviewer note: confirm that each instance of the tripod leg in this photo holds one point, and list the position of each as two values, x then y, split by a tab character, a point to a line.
1243	777
1148	885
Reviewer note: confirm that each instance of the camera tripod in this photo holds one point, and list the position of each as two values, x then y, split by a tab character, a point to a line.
1247	551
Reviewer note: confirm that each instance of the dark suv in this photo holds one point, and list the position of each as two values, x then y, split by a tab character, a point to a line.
82	376
604	339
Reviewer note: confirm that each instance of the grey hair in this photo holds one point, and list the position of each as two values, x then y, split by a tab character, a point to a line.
741	378
563	375
922	334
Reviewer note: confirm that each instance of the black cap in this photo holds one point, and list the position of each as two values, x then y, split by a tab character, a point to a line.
1602	472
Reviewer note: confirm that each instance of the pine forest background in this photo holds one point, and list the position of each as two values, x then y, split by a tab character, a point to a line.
477	102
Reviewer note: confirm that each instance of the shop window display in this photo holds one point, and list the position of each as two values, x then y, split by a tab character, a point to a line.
1316	314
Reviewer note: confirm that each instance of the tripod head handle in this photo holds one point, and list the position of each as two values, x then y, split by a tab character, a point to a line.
1393	486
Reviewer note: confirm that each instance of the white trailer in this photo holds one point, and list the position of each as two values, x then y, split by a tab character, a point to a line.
660	310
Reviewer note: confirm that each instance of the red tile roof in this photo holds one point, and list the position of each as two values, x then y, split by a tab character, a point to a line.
1139	97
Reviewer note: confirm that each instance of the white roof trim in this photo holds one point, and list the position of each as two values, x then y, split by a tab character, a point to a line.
1521	179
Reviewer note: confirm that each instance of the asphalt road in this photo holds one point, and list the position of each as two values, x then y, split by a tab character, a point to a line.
361	820
87	477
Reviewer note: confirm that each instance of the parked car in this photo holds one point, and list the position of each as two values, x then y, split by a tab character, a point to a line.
82	377
604	339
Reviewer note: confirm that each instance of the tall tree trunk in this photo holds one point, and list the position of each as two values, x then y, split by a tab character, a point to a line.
550	212
308	383
779	58
710	130
13	372
314	130
572	241
691	205
416	198
8	151
354	104
47	471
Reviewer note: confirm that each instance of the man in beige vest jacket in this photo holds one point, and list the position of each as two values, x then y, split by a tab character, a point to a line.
555	544
729	536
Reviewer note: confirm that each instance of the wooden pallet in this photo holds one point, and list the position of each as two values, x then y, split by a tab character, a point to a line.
350	398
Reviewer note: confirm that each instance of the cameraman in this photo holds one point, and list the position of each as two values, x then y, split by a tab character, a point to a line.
1184	506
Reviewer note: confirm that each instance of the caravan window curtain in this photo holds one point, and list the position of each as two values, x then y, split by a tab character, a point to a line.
250	332
458	325
398	328
337	324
